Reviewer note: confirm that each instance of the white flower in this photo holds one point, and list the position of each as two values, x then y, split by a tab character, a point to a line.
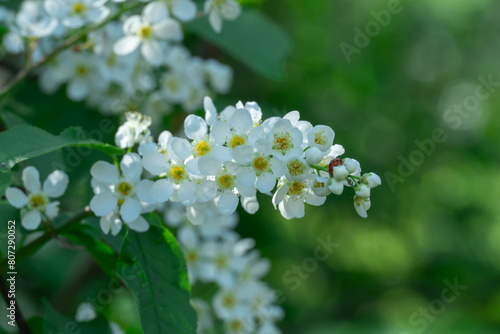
285	140
77	13
36	204
218	10
220	76
81	73
205	319
291	195
120	197
321	136
191	245
134	131
148	31
362	205
33	22
13	43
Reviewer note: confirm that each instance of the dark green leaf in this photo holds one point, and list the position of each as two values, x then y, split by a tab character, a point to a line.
5	181
152	266
253	39
56	323
23	142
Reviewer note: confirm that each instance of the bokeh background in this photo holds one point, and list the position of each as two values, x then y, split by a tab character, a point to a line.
439	223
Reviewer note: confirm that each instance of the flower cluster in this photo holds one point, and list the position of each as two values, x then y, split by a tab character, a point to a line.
216	254
229	156
121	66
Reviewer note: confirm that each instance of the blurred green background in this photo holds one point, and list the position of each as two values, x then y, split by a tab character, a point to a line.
440	223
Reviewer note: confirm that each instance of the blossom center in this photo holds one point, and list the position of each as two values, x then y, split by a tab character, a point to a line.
125	188
177	173
320	138
282	142
37	201
236	325
296	168
225	181
237	140
81	70
191	257
228	301
260	164
296	188
78	8
145	32
202	148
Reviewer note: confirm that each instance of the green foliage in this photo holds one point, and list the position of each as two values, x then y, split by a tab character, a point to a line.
152	266
23	142
253	39
55	322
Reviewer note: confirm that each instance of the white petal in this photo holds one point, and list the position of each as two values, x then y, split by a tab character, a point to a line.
132	25
266	182
230	9
209	165
168	29
56	183
186	193
227	203
279	195
210	111
152	52
139	225
314	199
182	148
242	154
295	207
143	191
195	127
126	45
31	179
102	204
130	210
31	220
241	121
52	209
155	163
105	223
104	172
222	153
16	197
185	10
220	131
85	312
206	191
215	20
250	204
131	166
246	177
247	191
77	89
162	190
155	11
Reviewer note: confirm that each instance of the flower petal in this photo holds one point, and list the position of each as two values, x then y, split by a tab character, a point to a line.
130	210
126	45
16	197
185	10
103	204
31	220
265	183
195	127
227	203
168	29
151	51
139	225
131	166
31	179
162	190
105	172
241	121
56	183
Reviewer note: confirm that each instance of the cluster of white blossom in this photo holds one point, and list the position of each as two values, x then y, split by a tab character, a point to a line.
226	159
216	254
119	66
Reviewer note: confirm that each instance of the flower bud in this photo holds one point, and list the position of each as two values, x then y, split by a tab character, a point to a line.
351	165
340	173
314	155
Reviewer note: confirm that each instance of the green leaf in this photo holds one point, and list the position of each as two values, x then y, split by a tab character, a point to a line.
253	39
103	253
5	181
23	142
55	322
152	266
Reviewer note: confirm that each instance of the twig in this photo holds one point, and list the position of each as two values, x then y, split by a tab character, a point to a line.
32	247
